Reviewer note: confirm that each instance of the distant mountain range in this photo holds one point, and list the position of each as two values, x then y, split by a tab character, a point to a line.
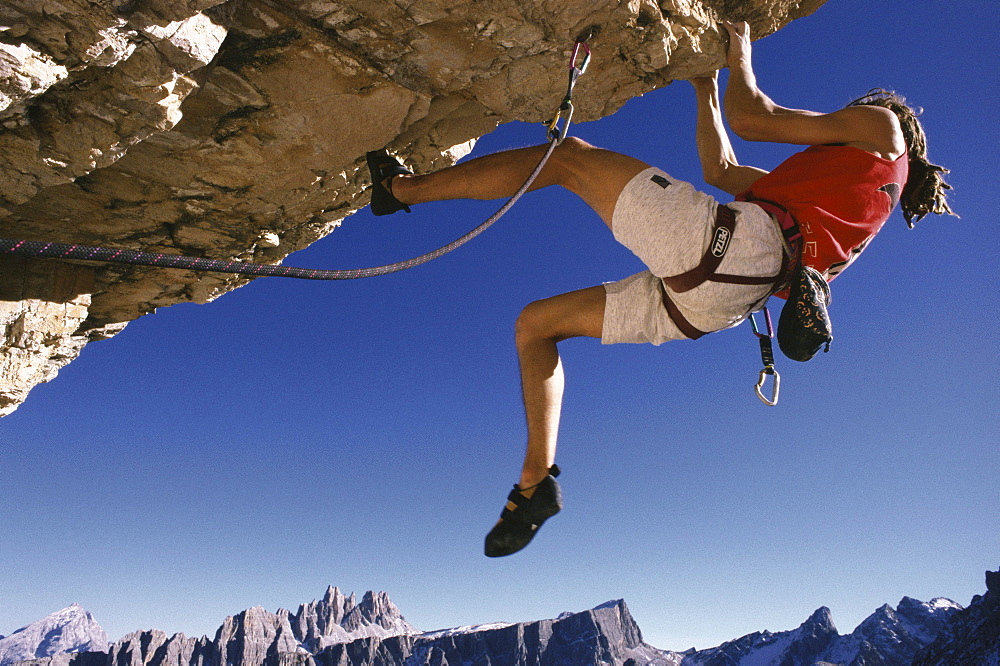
340	631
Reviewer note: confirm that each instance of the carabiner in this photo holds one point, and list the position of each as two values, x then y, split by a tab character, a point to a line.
767	319
586	59
564	112
767	358
768	370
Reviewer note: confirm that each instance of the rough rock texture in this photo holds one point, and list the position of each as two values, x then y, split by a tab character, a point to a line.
234	129
887	637
973	636
799	646
256	636
338	631
70	630
604	635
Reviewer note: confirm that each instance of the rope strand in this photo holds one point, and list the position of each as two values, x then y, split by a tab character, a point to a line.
52	250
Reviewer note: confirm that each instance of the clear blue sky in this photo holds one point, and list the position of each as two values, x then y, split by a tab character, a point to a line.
364	434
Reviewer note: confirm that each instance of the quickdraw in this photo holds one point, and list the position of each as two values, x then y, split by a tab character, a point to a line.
55	250
565	110
767	357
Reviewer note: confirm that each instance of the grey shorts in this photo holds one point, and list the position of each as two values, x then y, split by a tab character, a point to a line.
668	224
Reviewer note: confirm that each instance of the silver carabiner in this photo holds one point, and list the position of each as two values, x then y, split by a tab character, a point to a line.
565	110
768	370
565	113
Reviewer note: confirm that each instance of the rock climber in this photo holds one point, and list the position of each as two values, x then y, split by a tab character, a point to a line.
860	161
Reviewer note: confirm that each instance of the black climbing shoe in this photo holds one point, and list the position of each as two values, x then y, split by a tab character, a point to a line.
382	166
517	527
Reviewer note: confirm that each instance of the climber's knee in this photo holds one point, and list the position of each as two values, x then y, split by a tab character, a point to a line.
577	313
594	174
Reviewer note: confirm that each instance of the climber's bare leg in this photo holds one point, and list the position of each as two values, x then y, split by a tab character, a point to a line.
596	175
539	328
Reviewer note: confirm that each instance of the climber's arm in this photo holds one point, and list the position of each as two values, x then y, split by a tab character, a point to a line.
718	161
753	116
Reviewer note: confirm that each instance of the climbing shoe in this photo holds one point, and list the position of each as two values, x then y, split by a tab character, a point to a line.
382	167
517	526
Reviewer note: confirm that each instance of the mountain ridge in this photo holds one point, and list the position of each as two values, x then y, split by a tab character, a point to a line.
337	630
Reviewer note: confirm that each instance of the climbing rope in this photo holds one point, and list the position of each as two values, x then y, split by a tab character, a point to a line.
52	250
55	250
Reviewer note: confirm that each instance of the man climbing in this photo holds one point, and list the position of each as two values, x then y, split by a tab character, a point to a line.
861	160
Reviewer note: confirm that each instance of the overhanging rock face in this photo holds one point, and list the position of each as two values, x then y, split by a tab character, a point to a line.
237	129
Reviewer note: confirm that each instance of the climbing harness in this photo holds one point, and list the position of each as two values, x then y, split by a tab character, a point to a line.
54	250
767	358
723	231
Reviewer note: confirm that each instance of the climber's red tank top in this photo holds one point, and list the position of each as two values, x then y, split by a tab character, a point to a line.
840	196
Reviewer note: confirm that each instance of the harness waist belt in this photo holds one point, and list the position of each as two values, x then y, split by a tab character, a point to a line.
722	234
791	237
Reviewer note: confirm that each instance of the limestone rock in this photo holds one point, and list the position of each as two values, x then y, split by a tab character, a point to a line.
70	630
135	649
254	637
606	634
236	128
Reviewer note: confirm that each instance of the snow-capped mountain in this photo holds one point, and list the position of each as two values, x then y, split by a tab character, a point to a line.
338	631
897	634
973	635
69	630
887	636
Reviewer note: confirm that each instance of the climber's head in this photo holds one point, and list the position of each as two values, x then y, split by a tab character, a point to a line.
925	190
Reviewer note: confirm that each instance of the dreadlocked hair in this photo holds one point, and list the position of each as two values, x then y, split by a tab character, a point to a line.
925	190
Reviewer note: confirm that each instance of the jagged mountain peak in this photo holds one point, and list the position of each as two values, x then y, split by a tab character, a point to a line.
71	629
376	615
332	594
374	632
337	618
971	635
993	582
823	618
882	614
250	636
72	610
888	636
